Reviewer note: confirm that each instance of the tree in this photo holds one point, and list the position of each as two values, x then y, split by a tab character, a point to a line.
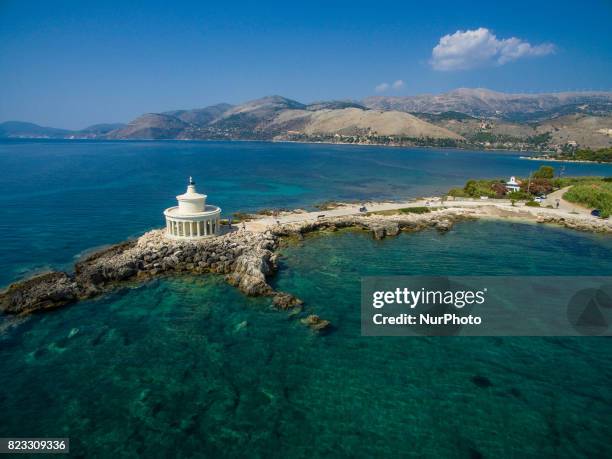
537	186
544	172
499	189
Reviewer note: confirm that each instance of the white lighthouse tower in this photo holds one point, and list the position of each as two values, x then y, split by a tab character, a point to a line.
192	218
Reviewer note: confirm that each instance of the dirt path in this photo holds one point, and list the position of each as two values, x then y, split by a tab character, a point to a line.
564	205
494	207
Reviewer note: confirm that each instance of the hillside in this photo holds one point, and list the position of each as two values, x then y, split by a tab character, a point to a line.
486	103
279	118
558	133
21	129
470	118
151	126
200	116
356	121
24	130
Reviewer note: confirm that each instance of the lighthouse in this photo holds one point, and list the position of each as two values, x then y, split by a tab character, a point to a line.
192	218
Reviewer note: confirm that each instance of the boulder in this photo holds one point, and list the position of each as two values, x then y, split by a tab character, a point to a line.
316	323
286	301
378	232
443	225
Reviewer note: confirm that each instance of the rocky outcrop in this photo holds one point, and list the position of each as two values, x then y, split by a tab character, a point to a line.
592	225
245	258
45	291
380	226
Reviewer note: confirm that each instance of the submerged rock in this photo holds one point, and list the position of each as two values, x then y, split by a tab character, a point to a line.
284	301
316	323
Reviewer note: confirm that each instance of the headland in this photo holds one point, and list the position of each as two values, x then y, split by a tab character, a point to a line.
246	254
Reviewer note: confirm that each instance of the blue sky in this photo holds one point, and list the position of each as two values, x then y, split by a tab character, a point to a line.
72	64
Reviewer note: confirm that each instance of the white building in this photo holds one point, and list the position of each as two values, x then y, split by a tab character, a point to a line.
513	185
192	218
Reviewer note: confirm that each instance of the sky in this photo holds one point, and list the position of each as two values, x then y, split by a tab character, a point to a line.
72	64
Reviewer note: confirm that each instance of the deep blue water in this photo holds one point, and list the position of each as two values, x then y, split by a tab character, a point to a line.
189	367
59	198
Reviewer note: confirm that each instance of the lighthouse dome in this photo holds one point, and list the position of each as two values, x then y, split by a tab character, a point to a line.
191	202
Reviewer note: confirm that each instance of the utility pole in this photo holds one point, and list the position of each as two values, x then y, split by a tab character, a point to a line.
529	182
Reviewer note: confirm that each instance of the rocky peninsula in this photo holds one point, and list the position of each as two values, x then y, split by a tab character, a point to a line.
247	256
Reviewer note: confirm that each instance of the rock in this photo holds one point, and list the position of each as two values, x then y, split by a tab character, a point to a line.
316	323
443	225
250	274
392	229
46	291
286	301
378	232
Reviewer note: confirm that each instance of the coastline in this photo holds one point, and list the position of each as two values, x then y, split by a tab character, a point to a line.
247	257
358	144
553	160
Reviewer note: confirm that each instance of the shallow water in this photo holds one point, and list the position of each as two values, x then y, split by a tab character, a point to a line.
186	367
60	198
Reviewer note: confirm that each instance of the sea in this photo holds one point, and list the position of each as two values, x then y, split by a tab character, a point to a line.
188	366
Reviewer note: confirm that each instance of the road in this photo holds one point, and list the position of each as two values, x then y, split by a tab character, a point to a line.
567	206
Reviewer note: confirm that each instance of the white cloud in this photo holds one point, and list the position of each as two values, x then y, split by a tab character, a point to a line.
383	87
480	47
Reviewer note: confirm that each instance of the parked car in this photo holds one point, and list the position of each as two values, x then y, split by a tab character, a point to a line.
539	199
596	213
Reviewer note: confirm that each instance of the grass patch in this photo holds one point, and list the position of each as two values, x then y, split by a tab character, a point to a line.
532	204
593	194
405	210
415	210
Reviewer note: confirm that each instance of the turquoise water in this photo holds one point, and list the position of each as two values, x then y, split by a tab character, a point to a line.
185	366
189	367
60	198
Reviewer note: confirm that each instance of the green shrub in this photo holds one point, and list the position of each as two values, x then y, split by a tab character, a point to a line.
238	217
603	155
544	172
567	181
415	210
593	194
532	204
478	188
458	193
519	196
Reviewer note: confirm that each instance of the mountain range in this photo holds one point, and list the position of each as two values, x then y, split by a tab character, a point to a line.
491	104
464	117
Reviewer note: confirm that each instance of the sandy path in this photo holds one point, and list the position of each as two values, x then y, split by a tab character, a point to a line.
567	206
489	206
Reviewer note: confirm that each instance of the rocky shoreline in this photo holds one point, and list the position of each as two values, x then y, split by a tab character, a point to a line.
246	258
